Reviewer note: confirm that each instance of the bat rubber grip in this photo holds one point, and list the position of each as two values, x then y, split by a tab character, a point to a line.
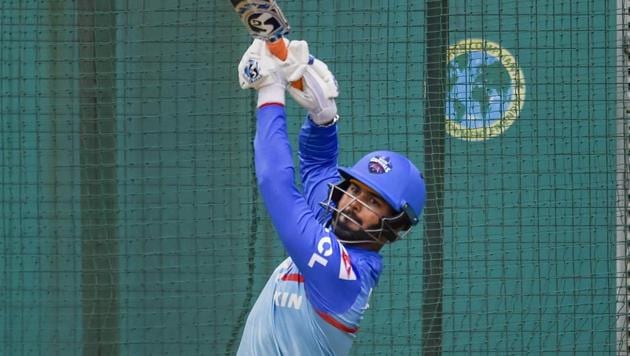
279	49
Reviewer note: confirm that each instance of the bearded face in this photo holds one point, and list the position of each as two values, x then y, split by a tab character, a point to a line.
360	211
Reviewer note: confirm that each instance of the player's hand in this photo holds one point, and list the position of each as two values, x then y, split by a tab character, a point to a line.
318	96
260	68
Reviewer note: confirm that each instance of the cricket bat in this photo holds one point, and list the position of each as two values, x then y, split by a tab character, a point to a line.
264	20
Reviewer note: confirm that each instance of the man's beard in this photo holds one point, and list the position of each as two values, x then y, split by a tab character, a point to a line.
343	229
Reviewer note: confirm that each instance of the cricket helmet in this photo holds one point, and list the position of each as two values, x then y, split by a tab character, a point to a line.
395	178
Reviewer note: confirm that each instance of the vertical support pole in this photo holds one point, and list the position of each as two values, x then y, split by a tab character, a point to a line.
436	12
623	176
99	248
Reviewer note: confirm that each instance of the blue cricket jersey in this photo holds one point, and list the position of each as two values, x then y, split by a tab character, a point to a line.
314	301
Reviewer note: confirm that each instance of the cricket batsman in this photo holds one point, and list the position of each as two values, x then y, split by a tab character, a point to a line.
334	226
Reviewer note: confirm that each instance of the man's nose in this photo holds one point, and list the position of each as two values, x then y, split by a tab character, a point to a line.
355	203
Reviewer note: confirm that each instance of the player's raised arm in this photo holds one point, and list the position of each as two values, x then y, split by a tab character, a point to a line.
318	144
312	247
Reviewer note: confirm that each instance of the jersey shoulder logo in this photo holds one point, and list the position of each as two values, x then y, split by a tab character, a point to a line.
345	265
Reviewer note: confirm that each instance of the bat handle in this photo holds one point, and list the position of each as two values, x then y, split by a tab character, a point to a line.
279	49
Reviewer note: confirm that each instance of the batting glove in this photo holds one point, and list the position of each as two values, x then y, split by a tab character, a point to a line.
318	96
259	69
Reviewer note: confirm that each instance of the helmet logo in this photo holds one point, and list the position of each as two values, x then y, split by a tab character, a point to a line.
379	165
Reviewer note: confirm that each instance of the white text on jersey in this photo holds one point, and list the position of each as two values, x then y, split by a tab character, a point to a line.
287	300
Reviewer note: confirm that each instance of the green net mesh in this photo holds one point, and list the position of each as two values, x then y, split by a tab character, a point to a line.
131	224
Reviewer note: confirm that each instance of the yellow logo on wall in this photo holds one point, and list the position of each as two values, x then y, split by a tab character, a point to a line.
486	90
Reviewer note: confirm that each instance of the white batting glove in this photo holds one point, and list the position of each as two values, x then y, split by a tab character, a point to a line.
318	96
259	69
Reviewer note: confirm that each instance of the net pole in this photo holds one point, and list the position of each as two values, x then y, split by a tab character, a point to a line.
436	13
623	209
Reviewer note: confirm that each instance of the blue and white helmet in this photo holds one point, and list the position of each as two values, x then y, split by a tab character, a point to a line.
395	178
397	181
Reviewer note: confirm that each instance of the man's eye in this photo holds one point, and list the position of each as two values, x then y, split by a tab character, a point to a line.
375	202
354	188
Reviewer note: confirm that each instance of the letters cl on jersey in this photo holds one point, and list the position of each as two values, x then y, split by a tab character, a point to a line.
325	250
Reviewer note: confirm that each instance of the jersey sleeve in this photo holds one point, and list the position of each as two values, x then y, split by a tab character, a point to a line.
329	277
318	152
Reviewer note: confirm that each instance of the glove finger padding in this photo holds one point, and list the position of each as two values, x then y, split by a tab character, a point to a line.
259	67
331	87
318	96
297	60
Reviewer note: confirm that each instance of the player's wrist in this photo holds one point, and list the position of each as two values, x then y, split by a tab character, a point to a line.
272	93
323	122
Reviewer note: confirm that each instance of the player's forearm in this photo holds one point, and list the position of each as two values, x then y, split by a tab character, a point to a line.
272	150
318	145
275	177
318	154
